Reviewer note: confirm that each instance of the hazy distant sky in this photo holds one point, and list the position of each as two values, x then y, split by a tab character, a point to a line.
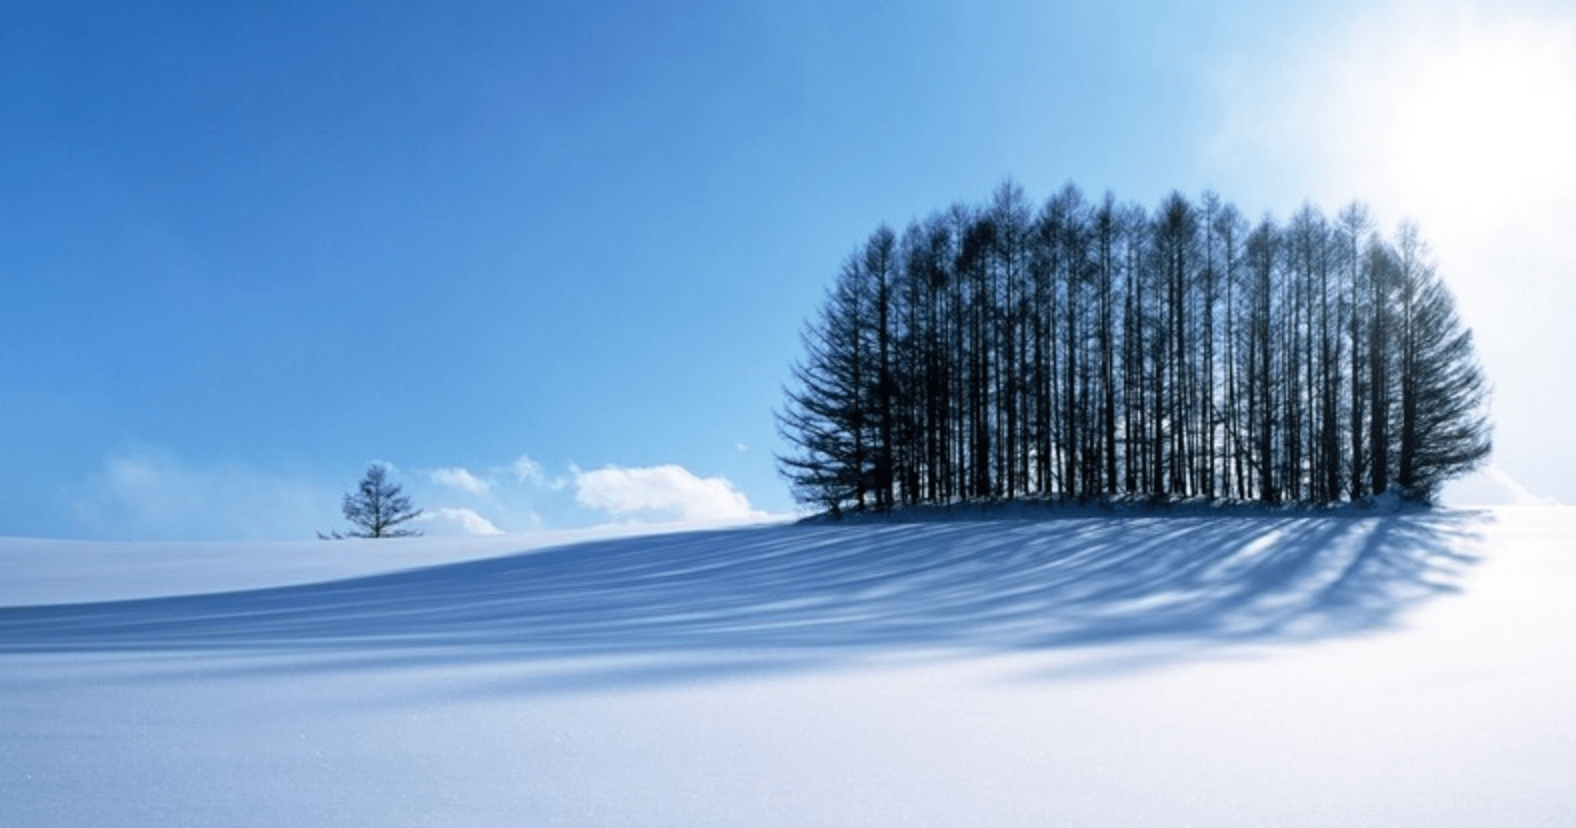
550	260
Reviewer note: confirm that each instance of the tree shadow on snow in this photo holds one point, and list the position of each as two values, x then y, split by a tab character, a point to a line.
713	604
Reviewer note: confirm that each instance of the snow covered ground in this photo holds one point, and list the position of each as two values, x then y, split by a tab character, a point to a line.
1269	669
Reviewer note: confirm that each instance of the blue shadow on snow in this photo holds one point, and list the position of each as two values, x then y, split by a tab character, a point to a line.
803	594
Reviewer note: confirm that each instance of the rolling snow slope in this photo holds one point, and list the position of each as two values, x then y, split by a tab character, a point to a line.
1409	669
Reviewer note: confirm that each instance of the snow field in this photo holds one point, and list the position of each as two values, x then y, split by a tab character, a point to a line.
1288	670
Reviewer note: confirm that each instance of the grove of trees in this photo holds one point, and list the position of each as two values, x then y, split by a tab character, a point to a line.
1095	349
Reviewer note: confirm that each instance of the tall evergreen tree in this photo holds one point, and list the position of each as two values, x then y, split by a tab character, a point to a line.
1444	430
826	412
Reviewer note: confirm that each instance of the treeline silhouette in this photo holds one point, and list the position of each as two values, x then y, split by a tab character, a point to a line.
1094	349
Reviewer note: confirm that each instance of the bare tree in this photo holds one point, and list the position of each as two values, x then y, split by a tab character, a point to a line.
1354	228
378	508
1095	350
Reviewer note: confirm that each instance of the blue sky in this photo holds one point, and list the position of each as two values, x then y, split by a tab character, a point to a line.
550	261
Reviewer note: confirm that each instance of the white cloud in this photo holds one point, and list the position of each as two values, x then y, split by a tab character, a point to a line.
668	492
466	521
456	477
504	497
150	494
526	470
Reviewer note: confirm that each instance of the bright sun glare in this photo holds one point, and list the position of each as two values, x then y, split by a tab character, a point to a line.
1480	124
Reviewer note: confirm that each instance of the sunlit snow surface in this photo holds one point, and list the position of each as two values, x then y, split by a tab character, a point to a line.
1411	669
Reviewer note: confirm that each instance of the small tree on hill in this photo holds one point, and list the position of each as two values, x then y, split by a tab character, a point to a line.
378	507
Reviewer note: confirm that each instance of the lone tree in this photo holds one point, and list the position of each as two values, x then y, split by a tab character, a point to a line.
378	508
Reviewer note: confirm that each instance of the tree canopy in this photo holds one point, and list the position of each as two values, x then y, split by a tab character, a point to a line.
1097	349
